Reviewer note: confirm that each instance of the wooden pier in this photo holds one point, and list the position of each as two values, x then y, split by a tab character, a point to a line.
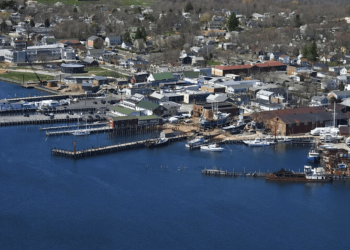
91	130
40	121
108	149
224	173
102	124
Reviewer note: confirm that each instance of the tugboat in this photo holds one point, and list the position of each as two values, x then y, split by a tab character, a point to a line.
309	175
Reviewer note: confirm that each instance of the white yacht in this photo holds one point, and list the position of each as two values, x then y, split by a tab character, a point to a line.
257	143
199	140
81	131
212	148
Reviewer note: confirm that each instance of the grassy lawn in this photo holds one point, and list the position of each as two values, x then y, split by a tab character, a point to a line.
213	63
18	76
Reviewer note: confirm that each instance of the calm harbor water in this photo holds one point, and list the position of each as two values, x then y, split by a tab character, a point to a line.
114	202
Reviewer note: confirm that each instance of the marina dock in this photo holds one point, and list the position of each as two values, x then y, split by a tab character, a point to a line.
91	130
108	149
225	173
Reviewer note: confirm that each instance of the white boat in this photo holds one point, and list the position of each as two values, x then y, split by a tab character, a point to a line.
212	148
239	124
330	137
199	140
348	141
327	146
257	143
283	140
158	142
81	131
313	155
315	173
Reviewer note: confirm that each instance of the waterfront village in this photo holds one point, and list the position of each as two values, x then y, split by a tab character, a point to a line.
205	85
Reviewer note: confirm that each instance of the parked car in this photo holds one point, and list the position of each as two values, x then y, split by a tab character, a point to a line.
90	117
67	117
26	115
98	117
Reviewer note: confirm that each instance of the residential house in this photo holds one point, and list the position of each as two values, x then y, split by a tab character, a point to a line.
113	40
90	62
320	66
156	78
198	61
284	59
93	41
139	77
319	101
139	44
95	53
274	56
303	62
327	58
258	17
339	70
126	45
215	98
214	25
339	95
331	84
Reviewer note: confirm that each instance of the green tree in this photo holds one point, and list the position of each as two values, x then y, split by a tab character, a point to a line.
47	23
341	86
138	34
75	10
126	37
143	33
188	7
3	26
305	51
31	23
313	54
297	21
232	22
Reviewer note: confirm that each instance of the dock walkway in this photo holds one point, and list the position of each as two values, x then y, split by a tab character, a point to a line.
109	149
91	130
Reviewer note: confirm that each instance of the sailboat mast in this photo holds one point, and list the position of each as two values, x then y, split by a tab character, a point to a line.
334	116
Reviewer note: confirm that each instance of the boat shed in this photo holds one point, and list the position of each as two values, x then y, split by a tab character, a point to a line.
299	120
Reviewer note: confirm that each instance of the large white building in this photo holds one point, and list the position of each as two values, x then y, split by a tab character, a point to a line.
40	53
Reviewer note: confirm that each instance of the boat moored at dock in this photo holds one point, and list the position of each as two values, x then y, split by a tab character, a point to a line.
212	148
309	175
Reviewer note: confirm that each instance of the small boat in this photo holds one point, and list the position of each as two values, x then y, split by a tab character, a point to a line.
199	140
157	142
283	140
81	132
239	124
257	143
212	148
327	146
313	155
347	141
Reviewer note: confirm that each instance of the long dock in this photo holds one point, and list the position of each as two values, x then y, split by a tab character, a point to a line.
40	121
225	173
91	130
102	124
108	149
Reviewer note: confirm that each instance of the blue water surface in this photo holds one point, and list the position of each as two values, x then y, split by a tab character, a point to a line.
158	199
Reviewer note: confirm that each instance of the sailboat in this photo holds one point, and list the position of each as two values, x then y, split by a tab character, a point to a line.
81	132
